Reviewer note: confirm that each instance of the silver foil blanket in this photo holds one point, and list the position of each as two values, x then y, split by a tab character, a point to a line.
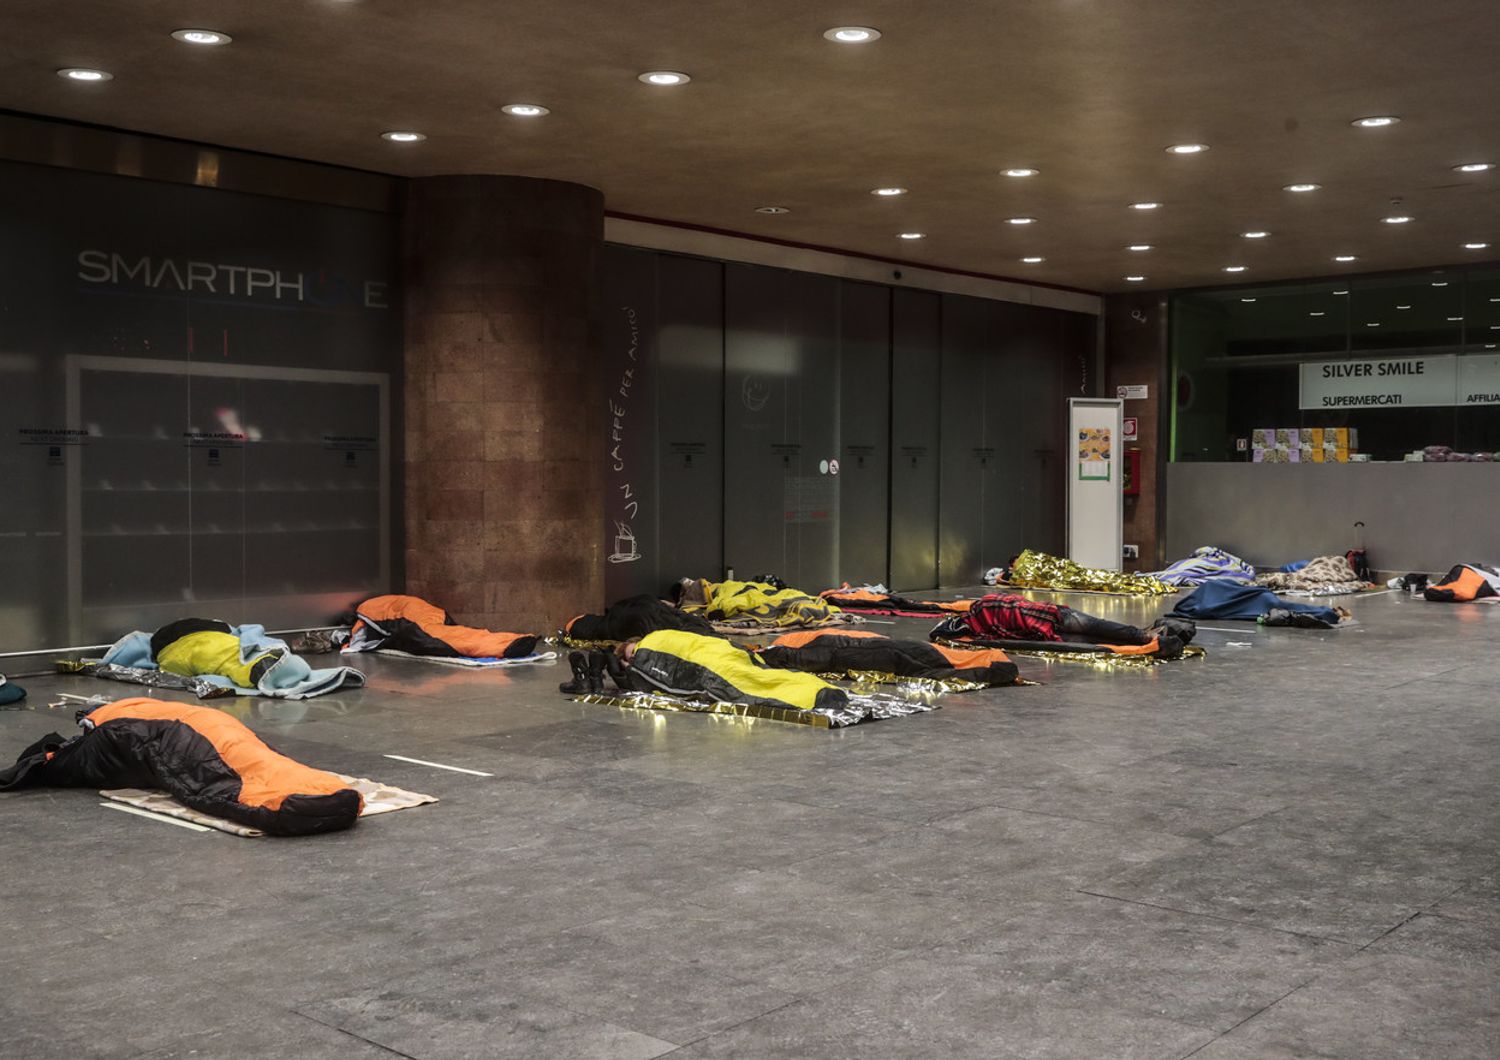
199	686
862	706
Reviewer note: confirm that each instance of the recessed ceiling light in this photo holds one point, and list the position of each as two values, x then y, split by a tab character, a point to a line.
1473	167
1316	313
1187	149
1257	234
525	110
1234	268
664	77
912	235
1033	260
1139	248
403	137
1340	292
201	36
1021	171
1440	283
886	193
1247	299
1135	279
1379	121
1302	187
1403	307
1372	324
1476	246
1345	257
82	73
1020	220
1397	219
1144	205
852	34
771	209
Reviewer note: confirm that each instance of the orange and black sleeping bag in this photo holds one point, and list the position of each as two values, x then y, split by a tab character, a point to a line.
866	601
202	757
834	651
1465	582
410	624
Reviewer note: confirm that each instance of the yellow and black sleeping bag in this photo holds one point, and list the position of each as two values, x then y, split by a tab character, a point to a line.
837	651
202	757
692	665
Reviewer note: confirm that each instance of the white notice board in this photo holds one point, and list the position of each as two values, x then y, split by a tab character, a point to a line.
1096	501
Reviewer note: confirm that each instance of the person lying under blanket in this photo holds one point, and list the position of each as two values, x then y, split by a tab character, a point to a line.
842	651
202	757
1009	621
1205	563
679	663
1037	570
631	618
1464	583
242	659
1325	575
412	626
1223	599
742	606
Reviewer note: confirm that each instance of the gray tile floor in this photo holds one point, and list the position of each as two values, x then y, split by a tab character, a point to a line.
1289	849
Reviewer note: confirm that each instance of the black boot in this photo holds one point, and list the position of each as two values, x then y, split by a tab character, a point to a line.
616	670
580	682
598	660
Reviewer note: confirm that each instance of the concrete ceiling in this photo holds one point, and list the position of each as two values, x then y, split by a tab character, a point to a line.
1090	92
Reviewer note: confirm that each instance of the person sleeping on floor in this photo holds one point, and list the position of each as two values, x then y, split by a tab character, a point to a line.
1008	620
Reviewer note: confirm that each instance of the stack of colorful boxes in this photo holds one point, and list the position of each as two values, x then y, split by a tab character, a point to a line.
1303	445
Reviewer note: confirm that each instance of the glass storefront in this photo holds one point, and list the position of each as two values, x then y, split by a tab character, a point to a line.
1382	367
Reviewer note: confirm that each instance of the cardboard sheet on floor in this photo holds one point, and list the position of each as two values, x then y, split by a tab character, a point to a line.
378	798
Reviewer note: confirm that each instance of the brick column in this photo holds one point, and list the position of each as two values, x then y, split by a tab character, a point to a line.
503	479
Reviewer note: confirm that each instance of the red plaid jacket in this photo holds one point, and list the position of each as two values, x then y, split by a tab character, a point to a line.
1004	616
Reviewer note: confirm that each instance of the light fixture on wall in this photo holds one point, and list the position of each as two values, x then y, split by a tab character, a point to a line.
852	34
1302	187
1247	299
211	38
85	74
1373	324
403	137
525	110
1317	313
664	78
1378	121
1403	307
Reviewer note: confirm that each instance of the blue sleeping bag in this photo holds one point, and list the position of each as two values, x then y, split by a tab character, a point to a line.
1224	598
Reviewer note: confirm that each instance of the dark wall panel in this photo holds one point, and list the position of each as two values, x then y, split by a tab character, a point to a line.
812	499
690	414
863	418
631	325
916	355
965	450
199	384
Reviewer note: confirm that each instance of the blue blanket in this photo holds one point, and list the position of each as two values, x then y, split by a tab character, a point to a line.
288	678
1205	563
1223	598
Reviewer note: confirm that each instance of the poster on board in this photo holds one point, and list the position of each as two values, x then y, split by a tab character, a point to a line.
1095	501
1093	453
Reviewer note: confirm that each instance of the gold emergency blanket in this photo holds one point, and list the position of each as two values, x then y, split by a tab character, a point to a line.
1037	570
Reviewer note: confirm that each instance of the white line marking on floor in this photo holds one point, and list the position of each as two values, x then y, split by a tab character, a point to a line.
439	765
1221	629
163	818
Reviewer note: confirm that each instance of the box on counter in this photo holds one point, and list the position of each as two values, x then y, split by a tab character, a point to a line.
1294	456
1263	438
1288	438
1312	437
1341	456
1316	456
